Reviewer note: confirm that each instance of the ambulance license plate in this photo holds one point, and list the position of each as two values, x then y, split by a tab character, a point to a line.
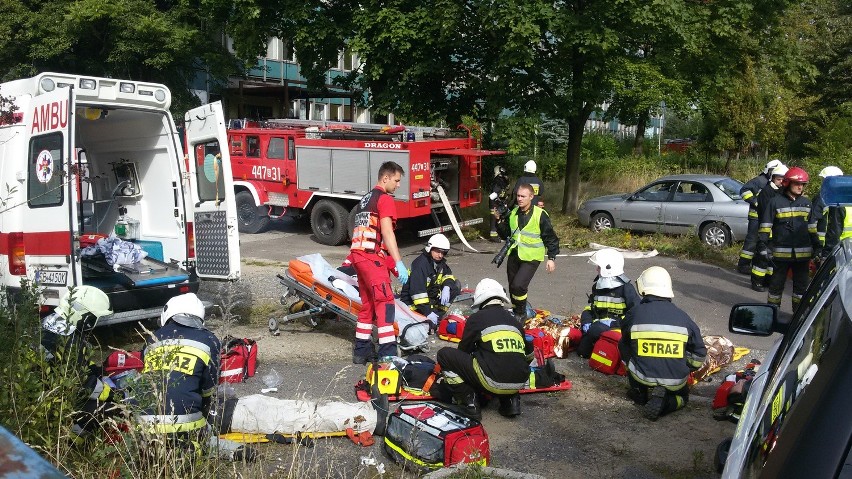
53	278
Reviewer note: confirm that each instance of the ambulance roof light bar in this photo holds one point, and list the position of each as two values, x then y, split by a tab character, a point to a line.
107	88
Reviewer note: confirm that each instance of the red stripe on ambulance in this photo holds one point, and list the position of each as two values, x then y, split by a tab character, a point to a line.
46	243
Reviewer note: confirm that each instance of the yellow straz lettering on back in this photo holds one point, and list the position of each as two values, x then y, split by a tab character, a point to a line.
175	361
660	348
535	189
508	345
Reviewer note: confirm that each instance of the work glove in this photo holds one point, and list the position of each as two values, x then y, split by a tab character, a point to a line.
402	271
433	316
445	295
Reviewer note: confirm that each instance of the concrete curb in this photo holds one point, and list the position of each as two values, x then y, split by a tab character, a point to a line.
488	471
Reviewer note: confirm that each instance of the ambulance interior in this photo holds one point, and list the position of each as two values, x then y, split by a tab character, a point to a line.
129	184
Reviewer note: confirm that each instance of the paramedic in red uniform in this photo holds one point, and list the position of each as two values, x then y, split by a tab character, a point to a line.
372	241
661	345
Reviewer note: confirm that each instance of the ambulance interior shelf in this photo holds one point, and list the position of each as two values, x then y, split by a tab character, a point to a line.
149	270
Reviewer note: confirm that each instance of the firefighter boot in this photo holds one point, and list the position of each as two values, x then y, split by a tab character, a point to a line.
655	405
757	284
510	406
638	396
467	404
744	266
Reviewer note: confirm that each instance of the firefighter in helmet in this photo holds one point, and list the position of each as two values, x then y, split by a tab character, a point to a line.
761	269
788	238
821	211
431	286
182	358
500	187
612	296
529	178
749	192
492	356
65	335
661	345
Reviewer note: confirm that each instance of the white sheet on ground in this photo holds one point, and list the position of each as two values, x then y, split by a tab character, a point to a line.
415	337
268	415
627	253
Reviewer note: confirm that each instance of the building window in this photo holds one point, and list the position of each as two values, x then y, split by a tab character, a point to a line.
288	53
348	60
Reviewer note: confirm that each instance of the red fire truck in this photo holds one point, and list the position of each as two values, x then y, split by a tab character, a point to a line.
319	170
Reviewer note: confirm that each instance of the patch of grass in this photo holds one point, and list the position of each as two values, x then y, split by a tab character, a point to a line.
262	263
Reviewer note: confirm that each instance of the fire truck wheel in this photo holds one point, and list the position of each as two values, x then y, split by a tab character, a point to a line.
250	217
329	221
351	223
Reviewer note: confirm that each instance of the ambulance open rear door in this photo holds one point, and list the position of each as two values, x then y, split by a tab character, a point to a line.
213	209
48	216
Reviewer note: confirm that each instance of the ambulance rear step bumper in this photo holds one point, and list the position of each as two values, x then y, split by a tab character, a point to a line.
137	315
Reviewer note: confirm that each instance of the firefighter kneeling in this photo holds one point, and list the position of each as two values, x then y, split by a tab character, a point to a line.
431	286
183	358
491	357
660	345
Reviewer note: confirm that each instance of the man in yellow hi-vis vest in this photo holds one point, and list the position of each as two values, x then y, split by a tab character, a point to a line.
533	241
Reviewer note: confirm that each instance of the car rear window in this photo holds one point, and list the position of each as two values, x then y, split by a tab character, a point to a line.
730	187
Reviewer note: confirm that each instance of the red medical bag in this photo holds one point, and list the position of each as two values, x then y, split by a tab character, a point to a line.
605	355
239	360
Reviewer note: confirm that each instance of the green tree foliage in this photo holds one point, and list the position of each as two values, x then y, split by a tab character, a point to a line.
167	41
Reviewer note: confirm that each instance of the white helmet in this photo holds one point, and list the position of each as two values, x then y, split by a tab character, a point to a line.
656	282
438	241
499	170
830	171
76	304
772	164
529	167
488	289
610	261
185	309
780	170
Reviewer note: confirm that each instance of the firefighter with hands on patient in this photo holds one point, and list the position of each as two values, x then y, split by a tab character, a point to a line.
492	356
431	286
661	345
788	238
612	296
749	193
761	269
374	254
533	240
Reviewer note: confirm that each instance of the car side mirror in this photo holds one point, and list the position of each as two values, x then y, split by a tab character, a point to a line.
756	319
634	198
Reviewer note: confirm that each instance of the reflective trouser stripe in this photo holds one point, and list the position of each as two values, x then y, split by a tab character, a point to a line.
668	383
519	298
493	386
173	423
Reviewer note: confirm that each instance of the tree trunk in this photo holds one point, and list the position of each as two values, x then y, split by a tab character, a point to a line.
639	139
571	193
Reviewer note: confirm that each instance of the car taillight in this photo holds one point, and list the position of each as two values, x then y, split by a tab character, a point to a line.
17	254
190	240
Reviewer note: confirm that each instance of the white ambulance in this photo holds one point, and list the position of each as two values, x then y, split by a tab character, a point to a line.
85	158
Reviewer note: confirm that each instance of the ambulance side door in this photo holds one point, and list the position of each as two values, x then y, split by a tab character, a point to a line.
49	210
213	209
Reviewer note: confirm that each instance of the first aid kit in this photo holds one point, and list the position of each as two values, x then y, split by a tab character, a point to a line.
239	360
426	436
605	355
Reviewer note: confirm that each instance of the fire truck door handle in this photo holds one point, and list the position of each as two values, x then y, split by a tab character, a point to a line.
313	188
351	192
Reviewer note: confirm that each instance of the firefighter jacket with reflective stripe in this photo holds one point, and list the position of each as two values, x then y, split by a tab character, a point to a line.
537	186
367	234
788	227
820	214
501	187
839	225
750	191
495	339
532	233
612	302
660	343
426	280
184	363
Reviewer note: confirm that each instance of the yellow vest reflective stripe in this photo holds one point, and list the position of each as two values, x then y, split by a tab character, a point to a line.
847	224
528	240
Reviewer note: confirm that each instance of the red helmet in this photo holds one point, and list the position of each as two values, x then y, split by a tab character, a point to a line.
795	174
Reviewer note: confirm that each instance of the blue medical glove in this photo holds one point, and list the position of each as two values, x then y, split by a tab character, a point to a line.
402	271
445	296
433	317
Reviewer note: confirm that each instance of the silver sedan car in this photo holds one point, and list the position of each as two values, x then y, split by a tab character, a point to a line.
707	205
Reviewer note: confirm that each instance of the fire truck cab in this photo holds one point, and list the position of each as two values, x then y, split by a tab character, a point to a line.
86	159
319	170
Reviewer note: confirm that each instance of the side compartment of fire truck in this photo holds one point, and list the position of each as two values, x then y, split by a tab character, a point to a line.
129	184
